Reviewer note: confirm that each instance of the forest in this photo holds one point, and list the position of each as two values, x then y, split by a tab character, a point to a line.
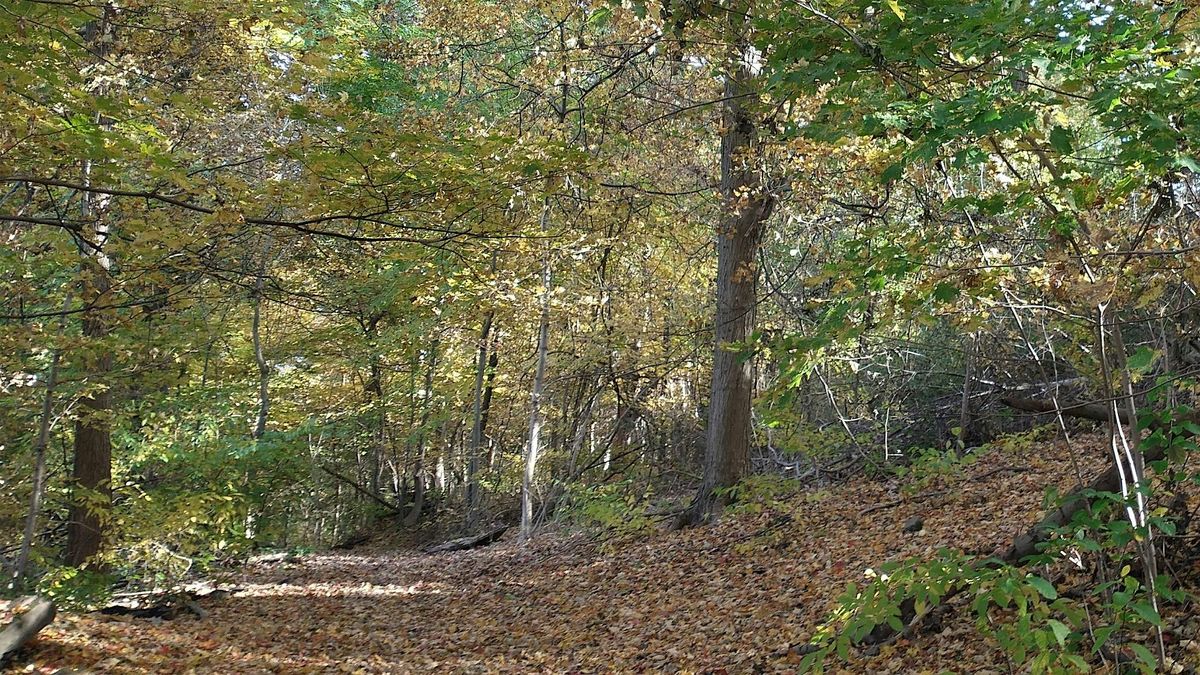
584	336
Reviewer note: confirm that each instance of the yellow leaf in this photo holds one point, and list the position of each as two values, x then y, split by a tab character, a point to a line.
896	8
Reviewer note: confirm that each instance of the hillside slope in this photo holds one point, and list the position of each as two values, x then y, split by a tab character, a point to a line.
739	596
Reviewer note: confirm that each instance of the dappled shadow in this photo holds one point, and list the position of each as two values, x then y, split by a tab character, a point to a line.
735	596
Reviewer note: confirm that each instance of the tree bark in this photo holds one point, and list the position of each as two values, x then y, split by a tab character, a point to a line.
466	543
373	389
264	370
39	457
489	388
748	206
91	470
38	614
539	384
1090	411
477	424
1077	500
414	515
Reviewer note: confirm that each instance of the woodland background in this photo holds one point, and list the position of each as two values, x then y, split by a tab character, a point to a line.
280	274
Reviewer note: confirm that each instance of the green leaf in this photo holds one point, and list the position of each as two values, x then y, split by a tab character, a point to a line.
945	292
1145	610
600	16
1185	162
893	172
1100	637
1044	587
1142	359
1060	631
1143	654
1060	140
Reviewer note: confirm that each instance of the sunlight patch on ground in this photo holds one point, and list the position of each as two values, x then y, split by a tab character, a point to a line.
341	590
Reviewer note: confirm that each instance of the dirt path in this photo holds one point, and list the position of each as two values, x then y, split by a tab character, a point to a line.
735	597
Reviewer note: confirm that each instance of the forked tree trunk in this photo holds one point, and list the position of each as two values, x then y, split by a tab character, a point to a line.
727	453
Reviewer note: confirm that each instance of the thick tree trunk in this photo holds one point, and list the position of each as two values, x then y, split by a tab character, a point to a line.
92	457
92	465
92	470
727	453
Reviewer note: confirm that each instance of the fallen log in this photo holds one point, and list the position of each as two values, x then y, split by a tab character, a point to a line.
1089	411
1075	501
1025	544
168	604
1078	499
466	543
32	614
356	539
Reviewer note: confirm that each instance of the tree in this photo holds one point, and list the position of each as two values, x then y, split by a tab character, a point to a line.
748	203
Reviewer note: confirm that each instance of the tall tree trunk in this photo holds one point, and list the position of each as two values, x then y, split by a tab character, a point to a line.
727	454
92	467
374	393
539	384
39	457
414	515
91	470
264	379
477	426
264	370
489	388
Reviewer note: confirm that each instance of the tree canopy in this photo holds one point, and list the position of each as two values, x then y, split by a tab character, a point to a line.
279	274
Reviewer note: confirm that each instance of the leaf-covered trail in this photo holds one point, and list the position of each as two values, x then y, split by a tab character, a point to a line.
736	596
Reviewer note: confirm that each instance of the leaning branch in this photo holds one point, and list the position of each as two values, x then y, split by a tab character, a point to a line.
312	226
363	491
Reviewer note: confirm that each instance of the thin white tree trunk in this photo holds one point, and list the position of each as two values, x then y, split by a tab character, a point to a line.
539	384
264	371
264	376
39	456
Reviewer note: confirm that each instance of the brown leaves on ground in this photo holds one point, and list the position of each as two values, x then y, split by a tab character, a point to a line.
738	596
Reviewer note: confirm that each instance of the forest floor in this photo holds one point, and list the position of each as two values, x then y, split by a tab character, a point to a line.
738	596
